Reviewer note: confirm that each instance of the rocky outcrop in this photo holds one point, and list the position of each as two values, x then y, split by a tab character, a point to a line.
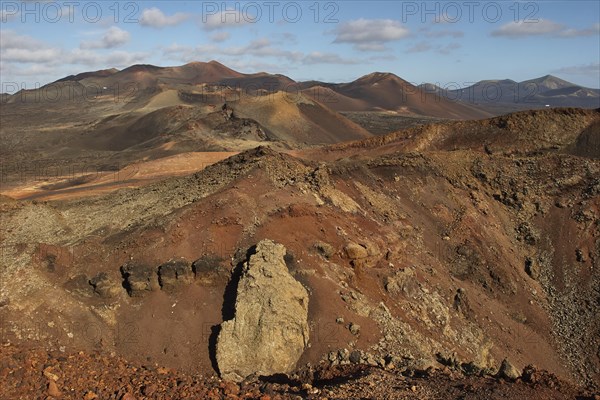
104	286
508	371
139	279
209	272
355	251
174	273
270	329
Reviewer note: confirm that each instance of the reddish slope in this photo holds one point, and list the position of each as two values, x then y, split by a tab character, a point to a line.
150	76
564	130
385	91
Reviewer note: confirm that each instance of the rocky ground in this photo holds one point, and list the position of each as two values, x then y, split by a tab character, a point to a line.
438	261
381	122
36	373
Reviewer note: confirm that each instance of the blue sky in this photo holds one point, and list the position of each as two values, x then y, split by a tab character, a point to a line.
448	43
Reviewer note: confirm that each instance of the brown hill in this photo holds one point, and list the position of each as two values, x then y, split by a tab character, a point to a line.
294	118
94	74
145	77
565	130
335	100
384	91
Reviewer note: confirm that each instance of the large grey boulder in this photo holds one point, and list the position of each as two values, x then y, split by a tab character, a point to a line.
270	329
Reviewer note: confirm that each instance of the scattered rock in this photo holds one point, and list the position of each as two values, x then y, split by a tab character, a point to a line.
354	328
508	371
324	249
79	284
449	360
471	368
230	388
339	320
90	396
562	203
355	357
530	374
461	303
174	273
527	234
103	286
355	251
270	329
402	282
149	390
532	268
53	390
50	375
580	255
139	279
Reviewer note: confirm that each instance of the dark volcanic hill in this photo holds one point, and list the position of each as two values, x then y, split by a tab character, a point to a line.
502	96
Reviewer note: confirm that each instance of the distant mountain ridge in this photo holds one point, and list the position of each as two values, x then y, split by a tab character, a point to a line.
377	91
507	95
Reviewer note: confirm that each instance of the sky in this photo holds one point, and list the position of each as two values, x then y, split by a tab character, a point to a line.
448	43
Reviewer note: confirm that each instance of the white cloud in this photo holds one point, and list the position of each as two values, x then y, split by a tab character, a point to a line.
25	56
592	69
155	18
594	30
123	59
31	56
445	33
249	66
370	47
370	34
449	48
288	37
84	57
219	37
317	57
25	49
10	39
113	37
29	70
383	57
518	29
420	47
254	53
262	47
93	59
225	19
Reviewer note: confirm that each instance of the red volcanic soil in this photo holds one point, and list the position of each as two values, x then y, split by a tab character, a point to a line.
452	247
385	91
33	373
